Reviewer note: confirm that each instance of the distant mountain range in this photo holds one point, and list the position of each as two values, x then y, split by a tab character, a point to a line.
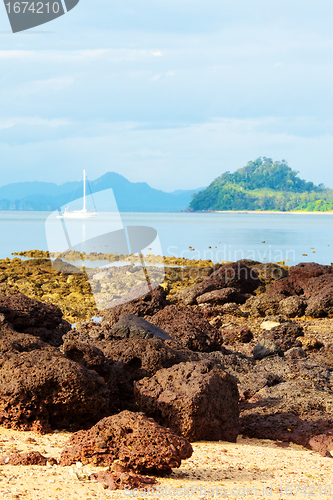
263	185
130	196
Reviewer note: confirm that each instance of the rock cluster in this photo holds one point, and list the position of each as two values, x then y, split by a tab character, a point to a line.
231	353
67	286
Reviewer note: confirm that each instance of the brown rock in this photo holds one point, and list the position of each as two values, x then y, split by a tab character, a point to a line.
295	353
284	342
320	303
11	341
188	327
130	325
288	328
236	275
305	278
34	317
144	357
126	479
307	270
234	310
317	285
292	307
313	344
86	332
207	311
232	335
149	304
323	443
253	382
222	296
286	287
87	355
295	407
29	458
284	426
196	400
23	312
263	305
136	358
43	385
322	355
137	442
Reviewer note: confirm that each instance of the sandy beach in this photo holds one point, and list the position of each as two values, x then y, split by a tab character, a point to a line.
249	468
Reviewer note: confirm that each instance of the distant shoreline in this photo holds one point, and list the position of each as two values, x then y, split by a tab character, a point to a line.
259	212
190	212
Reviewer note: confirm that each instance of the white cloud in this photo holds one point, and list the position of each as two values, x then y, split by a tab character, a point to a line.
168	158
32	122
192	88
63	56
41	86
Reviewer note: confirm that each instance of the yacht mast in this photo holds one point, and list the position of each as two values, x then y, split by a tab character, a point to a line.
84	190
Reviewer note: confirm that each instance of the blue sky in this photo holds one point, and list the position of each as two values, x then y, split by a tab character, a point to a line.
171	92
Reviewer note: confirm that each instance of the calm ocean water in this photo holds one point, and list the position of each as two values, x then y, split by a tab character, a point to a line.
262	237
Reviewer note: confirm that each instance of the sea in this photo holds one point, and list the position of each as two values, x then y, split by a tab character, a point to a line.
263	237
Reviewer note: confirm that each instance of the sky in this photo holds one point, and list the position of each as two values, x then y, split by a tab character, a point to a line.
170	92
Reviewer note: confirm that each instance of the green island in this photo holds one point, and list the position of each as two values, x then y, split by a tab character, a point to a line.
263	185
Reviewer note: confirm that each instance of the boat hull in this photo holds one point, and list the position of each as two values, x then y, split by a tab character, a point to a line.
76	216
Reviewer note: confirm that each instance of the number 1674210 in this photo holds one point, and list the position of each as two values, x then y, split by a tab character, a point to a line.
33	7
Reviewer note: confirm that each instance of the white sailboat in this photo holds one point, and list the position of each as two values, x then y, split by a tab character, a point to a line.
79	214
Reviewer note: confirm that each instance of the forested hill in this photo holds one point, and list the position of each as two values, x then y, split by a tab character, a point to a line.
263	185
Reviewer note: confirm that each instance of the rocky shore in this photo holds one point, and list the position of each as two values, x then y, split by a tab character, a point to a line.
243	349
60	282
